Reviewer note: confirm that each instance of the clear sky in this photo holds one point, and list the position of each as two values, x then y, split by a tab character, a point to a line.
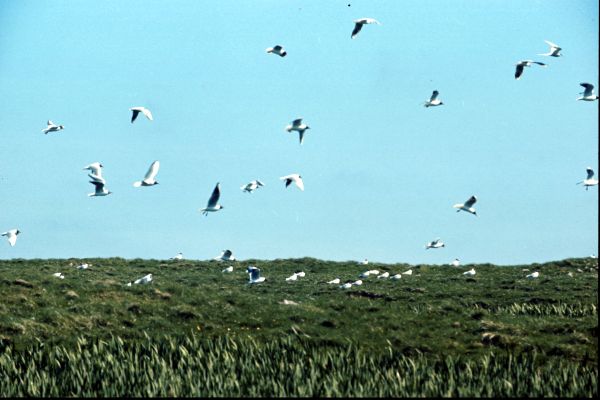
381	172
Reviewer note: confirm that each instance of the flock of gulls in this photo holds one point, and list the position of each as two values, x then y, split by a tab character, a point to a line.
97	179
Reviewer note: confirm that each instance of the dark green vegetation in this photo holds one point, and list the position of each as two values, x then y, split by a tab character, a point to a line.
196	331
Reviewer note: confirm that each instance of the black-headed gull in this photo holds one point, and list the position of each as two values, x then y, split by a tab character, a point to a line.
58	275
365	262
357	283
227	270
384	275
358	24
346	285
525	63
226	255
212	205
100	189
456	262
533	275
252	186
470	272
467	205
143	280
83	266
178	256
299	127
136	110
409	272
150	178
296	178
396	277
334	281
433	100
96	172
293	277
435	244
279	50
588	93
554	50
52	127
254	275
589	181
11	235
369	272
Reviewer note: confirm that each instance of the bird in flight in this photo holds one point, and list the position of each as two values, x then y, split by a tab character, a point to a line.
589	181
296	178
526	63
299	127
136	110
358	24
254	275
433	100
554	50
100	190
226	255
467	206
212	205
279	50
52	127
150	178
11	236
588	93
252	186
436	244
96	172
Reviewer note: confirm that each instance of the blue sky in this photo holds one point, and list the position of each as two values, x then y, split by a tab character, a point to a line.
381	172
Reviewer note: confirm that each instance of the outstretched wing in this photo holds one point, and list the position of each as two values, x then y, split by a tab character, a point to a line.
519	71
552	45
357	28
299	183
99	186
134	115
469	203
590	173
589	88
434	95
297	122
147	113
214	197
152	171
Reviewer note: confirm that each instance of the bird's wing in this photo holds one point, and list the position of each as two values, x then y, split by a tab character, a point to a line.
301	136
50	123
590	173
539	63
12	239
259	183
152	171
472	200
99	186
255	274
226	253
357	28
147	113
277	48
214	197
434	95
552	45
589	88
299	183
134	114
297	122
519	71
97	178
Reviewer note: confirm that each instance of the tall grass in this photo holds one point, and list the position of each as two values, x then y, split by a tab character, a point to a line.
288	366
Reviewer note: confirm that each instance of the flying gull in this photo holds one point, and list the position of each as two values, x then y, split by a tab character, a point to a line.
150	178
589	181
299	127
554	50
526	63
254	275
252	186
279	50
358	24
588	93
212	205
96	172
11	235
456	262
296	178
467	206
179	256
436	244
433	100
52	127
100	189
136	110
226	255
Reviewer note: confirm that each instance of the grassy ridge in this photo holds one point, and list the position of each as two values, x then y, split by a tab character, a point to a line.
434	317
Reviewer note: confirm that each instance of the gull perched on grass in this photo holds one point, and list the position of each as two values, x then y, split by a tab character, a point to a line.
433	100
226	255
436	244
136	110
227	270
299	127
470	272
369	272
533	275
11	235
143	280
150	178
358	24
588	93
357	283
526	63
96	172
252	186
467	205
384	275
396	277
456	262
52	127
589	181
279	50
334	281
58	275
178	257
296	178
100	189
83	266
409	272
365	262
212	205
293	277
554	50
346	285
254	275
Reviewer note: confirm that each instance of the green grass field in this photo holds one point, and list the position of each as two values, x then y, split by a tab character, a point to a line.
195	331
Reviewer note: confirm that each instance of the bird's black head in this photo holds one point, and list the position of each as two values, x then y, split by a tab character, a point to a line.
156	182
17	232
